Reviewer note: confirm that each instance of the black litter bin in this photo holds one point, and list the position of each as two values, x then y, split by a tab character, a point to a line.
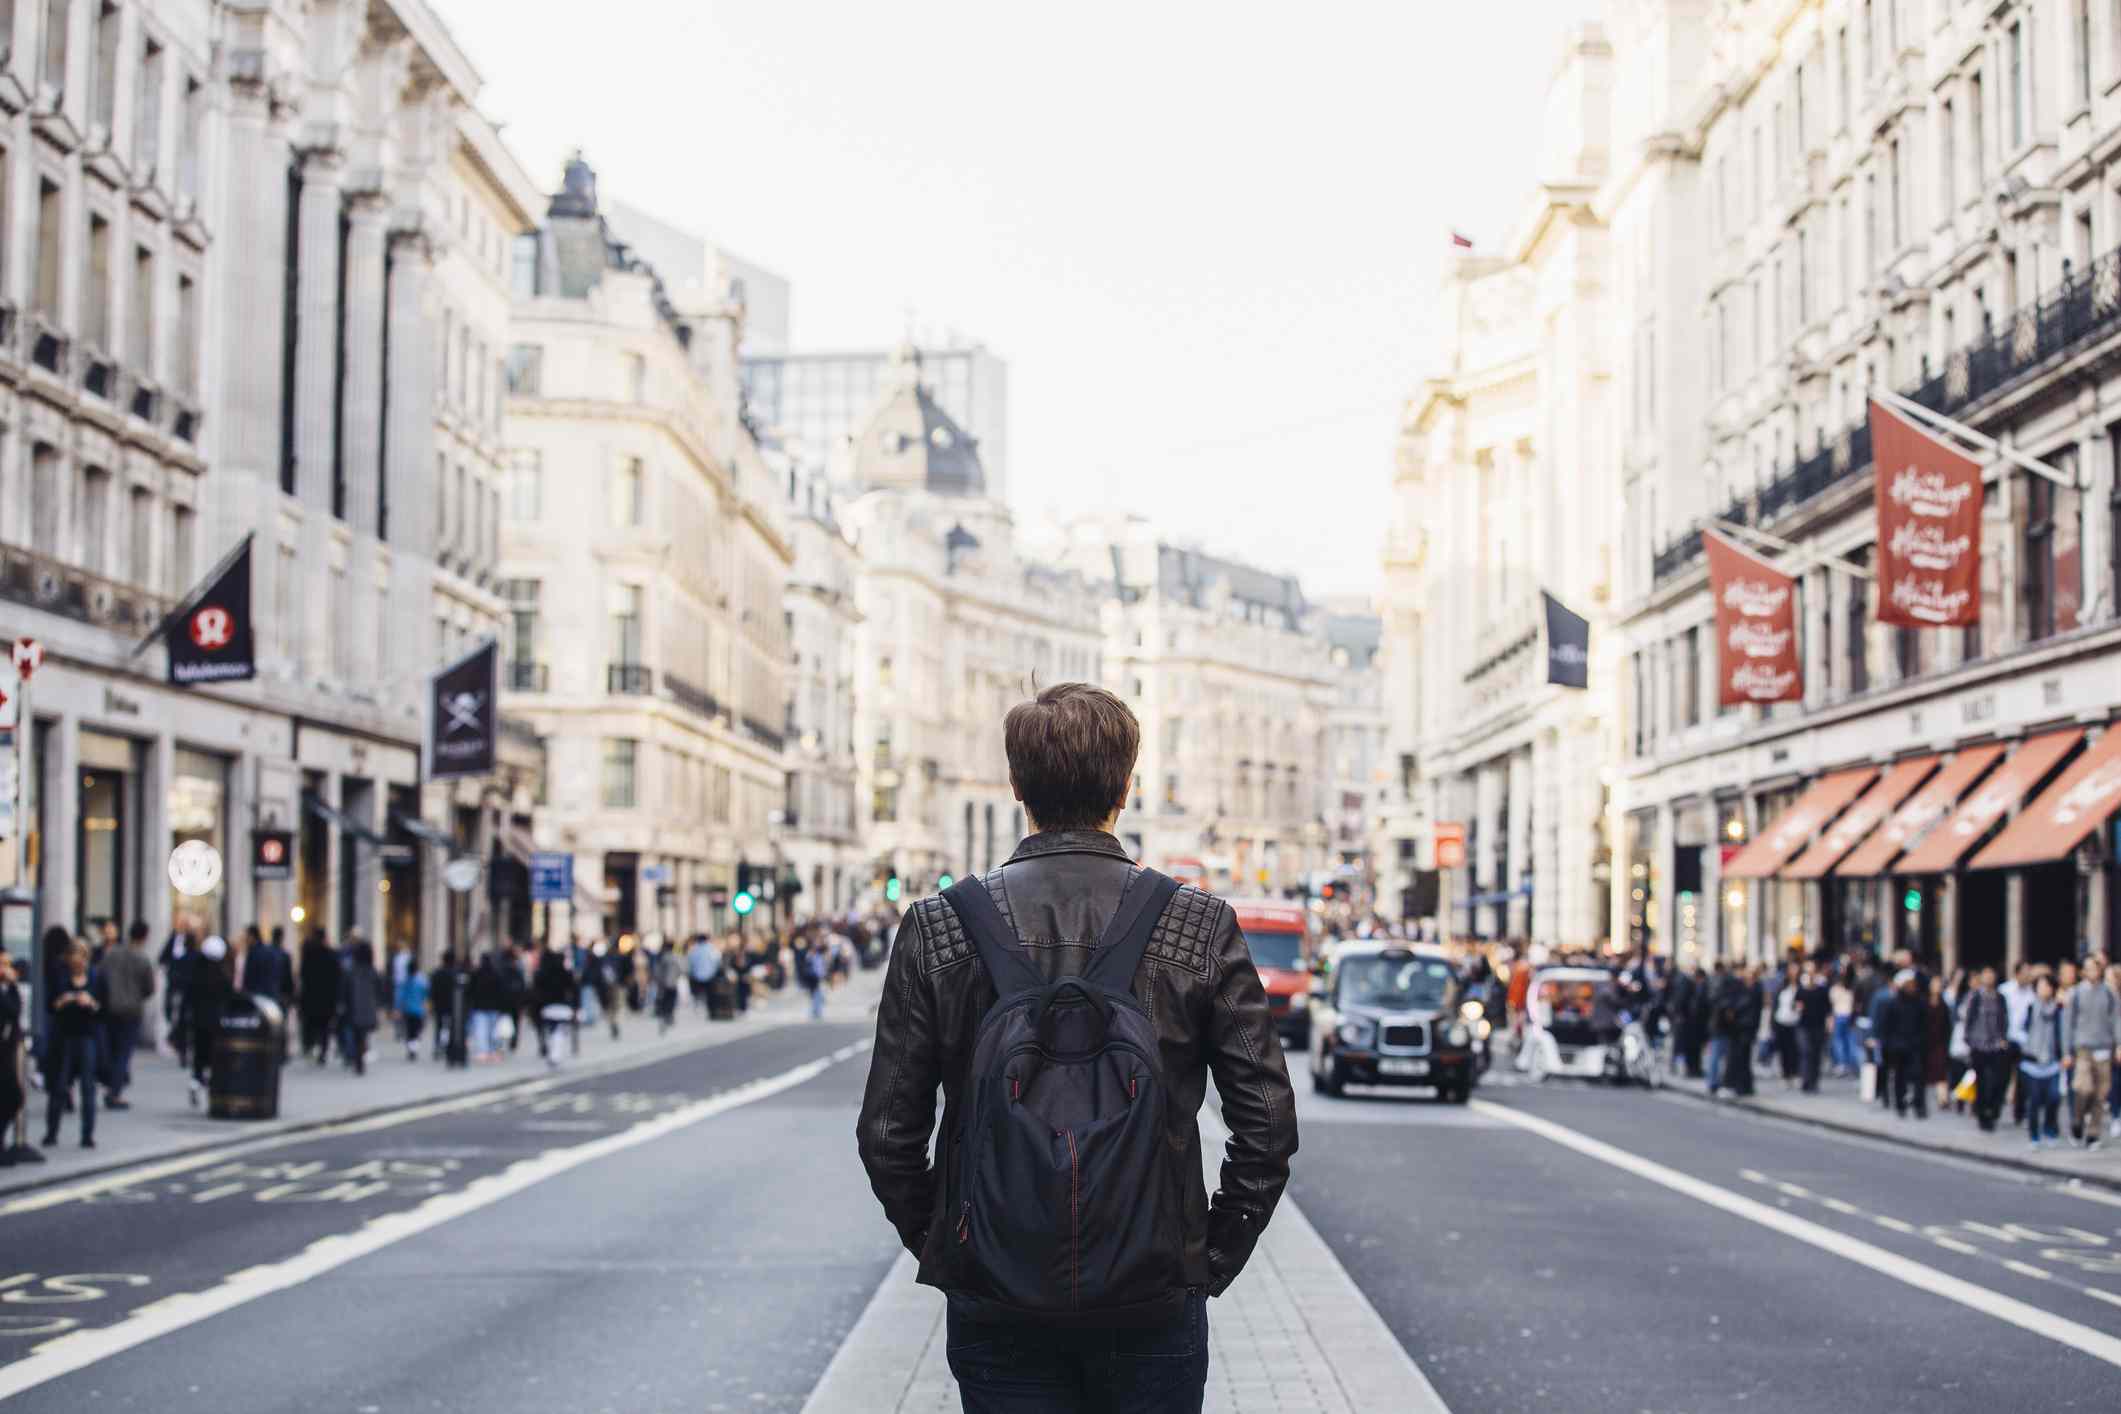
721	998
245	1079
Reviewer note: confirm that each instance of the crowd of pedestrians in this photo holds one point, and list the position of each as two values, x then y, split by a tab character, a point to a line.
102	996
2040	1045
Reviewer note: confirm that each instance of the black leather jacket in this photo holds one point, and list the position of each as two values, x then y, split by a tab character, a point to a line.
1197	984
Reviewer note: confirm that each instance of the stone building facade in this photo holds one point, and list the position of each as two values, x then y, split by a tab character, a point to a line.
645	552
1505	484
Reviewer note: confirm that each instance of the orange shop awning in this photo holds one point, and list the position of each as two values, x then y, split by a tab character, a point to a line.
1857	822
1942	848
2076	804
1794	828
1923	809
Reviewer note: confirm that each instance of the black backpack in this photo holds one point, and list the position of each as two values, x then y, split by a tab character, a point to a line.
1066	1194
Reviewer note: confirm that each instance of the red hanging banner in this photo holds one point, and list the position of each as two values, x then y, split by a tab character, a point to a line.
1929	526
1756	627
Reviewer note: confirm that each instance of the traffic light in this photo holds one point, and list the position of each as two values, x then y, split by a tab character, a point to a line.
891	889
743	879
943	882
1912	900
1326	891
743	903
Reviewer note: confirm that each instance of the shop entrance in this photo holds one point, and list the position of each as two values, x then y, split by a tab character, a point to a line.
622	879
2050	913
106	840
1983	919
198	810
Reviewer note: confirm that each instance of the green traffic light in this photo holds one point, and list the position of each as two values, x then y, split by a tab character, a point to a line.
1912	900
944	882
891	889
743	903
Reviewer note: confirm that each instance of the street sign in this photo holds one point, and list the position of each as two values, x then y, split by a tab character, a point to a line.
1450	844
29	656
551	877
195	868
272	854
462	875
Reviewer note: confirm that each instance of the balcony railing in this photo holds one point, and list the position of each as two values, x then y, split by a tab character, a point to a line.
528	677
27	577
691	698
629	680
2086	307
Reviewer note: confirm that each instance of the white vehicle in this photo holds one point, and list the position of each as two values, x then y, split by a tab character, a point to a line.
1575	1026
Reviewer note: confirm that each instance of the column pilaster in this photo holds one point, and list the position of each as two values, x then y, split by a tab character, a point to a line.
317	333
361	426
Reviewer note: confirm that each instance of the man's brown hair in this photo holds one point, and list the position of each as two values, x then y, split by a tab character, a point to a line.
1071	755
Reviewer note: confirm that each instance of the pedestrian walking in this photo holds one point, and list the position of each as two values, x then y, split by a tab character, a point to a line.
2091	1028
2040	1063
1846	1054
1988	1039
483	999
442	1004
1937	1025
1784	1027
129	982
360	1003
2017	994
412	992
1071	756
76	1007
180	952
1902	1042
669	982
317	992
14	1070
1814	1012
814	968
556	994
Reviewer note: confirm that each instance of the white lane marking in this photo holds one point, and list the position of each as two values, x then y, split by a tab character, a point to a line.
1953	1244
2059	1329
1893	1224
478	1099
2028	1269
1845	1209
2107	1296
83	1348
2091	1194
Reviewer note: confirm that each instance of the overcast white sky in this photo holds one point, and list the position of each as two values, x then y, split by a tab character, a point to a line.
1201	233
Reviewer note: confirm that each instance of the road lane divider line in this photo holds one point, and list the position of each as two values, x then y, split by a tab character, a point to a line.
1953	1244
79	1349
1900	1225
2028	1269
2024	1315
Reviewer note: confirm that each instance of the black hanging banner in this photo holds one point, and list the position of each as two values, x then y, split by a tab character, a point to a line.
1568	645
211	638
462	720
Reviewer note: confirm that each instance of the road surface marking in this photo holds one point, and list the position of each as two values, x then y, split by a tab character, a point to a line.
1964	1249
2025	1316
2028	1269
1893	1224
2107	1296
81	1349
148	1172
1846	1209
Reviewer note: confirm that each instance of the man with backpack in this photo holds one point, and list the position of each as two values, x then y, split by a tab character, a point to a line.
1071	1007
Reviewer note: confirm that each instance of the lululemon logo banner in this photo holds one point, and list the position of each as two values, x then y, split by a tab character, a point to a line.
213	640
1756	627
1568	645
461	716
1929	526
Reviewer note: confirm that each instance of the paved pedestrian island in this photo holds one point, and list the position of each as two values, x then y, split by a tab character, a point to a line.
1293	1335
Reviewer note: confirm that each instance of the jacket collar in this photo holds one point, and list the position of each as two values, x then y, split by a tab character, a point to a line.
1069	842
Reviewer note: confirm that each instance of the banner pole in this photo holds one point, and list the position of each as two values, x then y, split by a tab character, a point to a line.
1913	409
1776	542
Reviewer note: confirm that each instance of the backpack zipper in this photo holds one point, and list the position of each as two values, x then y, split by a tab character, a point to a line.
1075	1221
964	1223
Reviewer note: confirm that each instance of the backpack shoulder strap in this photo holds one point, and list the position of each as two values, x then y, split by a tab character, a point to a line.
993	939
1126	939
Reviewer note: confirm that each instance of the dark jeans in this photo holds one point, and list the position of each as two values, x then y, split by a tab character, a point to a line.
121	1037
1812	1042
73	1062
1907	1084
1991	1074
1037	1370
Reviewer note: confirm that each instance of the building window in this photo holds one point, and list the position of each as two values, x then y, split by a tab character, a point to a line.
619	755
183	527
626	625
341	635
1948	157
103	99
191	147
523	266
526	486
53	74
95	520
140	536
95	300
284	602
2021	88
1690	704
2084	51
526	370
185	373
522	596
1977	127
147	113
51	244
140	335
626	494
1857	614
2051	584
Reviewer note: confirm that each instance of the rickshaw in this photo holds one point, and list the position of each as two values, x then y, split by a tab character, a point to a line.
1577	1024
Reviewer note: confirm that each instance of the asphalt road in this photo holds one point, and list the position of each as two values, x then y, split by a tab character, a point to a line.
696	1235
1523	1274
